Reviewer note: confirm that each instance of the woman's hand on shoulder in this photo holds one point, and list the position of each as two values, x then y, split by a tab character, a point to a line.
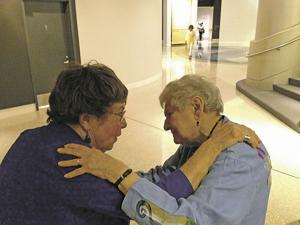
92	161
231	133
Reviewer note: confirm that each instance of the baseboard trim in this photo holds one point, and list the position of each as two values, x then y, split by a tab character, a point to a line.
43	99
143	82
15	111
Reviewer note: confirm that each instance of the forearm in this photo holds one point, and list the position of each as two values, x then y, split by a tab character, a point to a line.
228	134
128	182
146	203
117	172
196	168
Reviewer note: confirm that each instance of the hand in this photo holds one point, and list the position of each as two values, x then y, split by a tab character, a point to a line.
196	168
92	161
231	133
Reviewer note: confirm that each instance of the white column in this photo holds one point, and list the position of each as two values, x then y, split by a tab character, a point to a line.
167	21
274	55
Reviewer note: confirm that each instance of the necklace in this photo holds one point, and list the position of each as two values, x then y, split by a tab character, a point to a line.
212	130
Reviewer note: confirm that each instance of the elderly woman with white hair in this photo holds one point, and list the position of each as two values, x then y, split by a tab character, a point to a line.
226	181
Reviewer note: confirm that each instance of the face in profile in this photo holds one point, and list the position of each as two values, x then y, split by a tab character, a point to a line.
104	131
181	123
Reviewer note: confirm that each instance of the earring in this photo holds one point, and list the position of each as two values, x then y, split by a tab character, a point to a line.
87	138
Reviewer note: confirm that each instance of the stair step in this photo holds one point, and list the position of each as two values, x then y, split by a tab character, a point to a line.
295	81
284	108
288	90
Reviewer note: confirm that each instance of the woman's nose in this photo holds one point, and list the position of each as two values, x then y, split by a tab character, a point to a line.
123	123
166	125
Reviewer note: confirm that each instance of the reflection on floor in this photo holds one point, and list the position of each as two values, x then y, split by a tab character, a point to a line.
215	53
145	139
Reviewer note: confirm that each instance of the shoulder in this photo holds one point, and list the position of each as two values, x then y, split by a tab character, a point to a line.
28	137
241	162
38	131
238	159
51	134
42	141
245	154
241	155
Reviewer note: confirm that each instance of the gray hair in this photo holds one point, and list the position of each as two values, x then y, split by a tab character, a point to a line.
179	93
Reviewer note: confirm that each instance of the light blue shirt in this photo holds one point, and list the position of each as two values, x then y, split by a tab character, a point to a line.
234	192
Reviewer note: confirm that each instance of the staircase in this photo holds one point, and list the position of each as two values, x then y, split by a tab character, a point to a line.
283	101
292	89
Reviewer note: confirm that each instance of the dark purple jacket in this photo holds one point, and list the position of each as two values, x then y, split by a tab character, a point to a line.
33	190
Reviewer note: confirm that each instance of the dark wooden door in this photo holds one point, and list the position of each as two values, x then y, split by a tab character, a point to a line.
49	47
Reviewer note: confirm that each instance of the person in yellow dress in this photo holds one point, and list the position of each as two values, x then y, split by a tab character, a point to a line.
190	39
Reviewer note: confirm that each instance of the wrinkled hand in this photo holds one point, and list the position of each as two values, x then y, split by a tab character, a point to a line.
92	161
232	133
196	168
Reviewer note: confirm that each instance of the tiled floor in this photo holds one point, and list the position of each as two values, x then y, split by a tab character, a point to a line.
216	53
145	144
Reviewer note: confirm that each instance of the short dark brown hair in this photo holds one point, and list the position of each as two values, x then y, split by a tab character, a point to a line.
84	89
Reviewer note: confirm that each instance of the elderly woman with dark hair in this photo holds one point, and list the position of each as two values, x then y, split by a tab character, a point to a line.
86	107
234	190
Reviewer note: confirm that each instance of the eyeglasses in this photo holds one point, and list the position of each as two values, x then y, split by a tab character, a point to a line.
119	114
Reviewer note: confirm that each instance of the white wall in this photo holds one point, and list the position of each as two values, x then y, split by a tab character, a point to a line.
123	34
238	22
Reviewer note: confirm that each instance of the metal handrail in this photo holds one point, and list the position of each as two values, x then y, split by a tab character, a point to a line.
273	48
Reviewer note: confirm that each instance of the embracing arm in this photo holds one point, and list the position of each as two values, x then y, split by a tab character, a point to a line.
102	165
196	168
225	196
97	163
184	181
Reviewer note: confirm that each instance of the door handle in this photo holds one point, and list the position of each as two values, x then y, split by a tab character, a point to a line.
66	61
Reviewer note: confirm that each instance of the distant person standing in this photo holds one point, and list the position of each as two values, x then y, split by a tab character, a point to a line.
190	39
201	30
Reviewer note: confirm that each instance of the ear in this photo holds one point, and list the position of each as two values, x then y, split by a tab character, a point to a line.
84	121
198	104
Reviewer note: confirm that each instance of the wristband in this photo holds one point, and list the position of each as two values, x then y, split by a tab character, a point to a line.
122	177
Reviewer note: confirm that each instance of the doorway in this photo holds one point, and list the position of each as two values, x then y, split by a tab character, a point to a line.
205	16
52	42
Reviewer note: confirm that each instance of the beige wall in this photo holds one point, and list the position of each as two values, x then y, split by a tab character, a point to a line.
123	34
238	22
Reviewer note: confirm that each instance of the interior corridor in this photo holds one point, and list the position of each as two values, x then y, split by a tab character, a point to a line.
145	144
